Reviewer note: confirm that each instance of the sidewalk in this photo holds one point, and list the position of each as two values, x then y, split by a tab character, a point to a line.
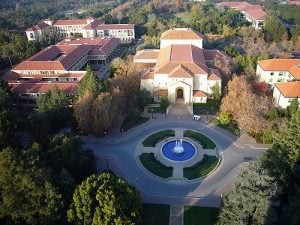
176	215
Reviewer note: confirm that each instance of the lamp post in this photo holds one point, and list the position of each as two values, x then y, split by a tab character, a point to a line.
152	112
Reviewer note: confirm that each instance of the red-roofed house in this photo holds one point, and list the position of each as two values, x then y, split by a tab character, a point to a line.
182	68
284	76
87	28
61	65
253	13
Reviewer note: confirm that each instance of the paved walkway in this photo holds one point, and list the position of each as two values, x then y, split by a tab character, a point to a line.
176	215
117	152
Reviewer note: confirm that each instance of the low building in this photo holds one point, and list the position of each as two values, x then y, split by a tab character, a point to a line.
283	75
284	93
278	70
87	28
183	70
125	32
253	13
61	65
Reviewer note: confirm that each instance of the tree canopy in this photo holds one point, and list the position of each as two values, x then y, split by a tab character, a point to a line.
105	200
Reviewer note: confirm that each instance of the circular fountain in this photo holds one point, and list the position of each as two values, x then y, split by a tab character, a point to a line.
178	150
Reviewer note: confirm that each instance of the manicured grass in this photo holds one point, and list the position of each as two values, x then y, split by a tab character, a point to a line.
153	139
128	124
200	215
206	142
155	214
211	107
202	168
154	166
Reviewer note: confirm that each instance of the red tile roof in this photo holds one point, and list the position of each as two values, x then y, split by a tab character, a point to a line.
289	89
70	22
148	75
180	71
93	25
199	93
47	58
290	65
214	74
114	26
258	13
12	76
99	45
181	33
161	93
147	54
43	87
255	11
40	26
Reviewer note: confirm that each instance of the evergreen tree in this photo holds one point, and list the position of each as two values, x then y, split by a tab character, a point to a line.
54	99
26	191
105	200
281	159
249	202
90	82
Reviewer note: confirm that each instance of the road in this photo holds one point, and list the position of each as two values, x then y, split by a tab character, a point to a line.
117	153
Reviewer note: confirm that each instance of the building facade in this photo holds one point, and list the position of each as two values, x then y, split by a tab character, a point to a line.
87	28
181	69
252	13
61	65
283	76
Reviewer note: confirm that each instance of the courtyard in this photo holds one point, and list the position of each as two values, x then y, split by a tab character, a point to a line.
120	153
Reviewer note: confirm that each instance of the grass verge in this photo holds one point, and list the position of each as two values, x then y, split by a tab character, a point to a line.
153	139
154	166
206	142
155	214
200	215
202	168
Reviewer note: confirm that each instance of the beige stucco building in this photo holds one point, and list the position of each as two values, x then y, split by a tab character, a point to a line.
87	28
283	76
181	69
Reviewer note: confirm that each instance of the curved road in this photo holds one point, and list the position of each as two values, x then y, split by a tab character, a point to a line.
118	153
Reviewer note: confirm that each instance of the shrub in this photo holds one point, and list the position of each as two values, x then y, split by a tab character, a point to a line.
224	118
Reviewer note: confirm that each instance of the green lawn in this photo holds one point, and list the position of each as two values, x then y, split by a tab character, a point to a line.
206	142
155	214
202	168
211	107
154	166
153	139
128	124
200	215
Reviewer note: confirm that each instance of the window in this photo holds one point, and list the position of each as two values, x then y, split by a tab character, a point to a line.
280	73
31	35
272	73
271	80
280	80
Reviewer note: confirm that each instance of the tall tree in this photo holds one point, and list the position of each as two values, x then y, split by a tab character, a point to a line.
7	116
54	99
249	202
105	200
26	191
247	108
90	82
281	160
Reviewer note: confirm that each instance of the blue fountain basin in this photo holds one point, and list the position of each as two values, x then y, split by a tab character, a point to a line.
188	153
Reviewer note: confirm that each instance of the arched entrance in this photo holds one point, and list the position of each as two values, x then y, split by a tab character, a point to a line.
179	94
